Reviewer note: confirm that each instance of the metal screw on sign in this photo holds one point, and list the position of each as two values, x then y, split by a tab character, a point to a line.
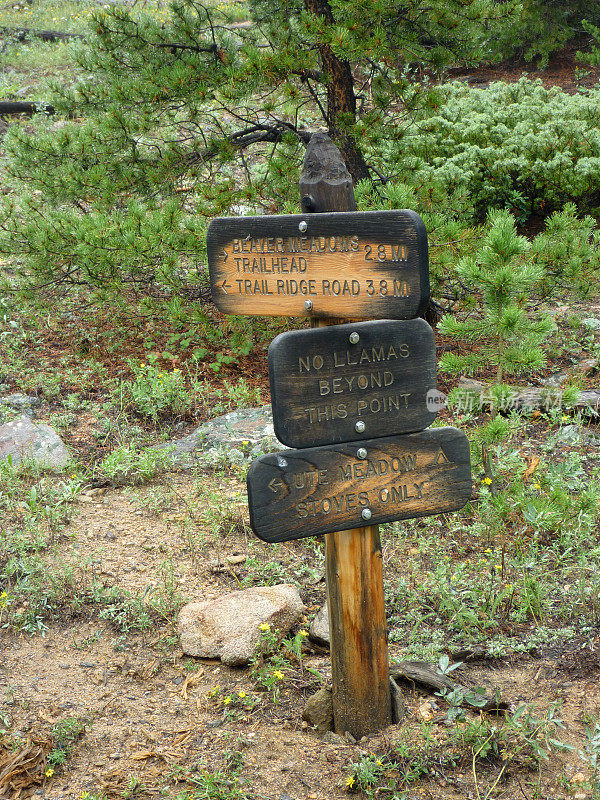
366	513
354	337
302	226
360	426
361	452
308	305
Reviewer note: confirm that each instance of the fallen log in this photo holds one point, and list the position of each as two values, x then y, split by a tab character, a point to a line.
22	34
419	673
13	107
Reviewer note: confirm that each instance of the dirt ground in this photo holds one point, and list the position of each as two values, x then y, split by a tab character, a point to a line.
149	718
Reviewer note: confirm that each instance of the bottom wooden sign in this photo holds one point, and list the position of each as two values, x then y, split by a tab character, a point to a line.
298	493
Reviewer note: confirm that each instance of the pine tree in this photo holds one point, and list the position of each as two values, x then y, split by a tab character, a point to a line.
172	121
500	276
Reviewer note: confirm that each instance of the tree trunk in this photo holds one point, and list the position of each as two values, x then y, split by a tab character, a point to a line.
341	100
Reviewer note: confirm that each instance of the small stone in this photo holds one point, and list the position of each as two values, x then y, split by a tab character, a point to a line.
579	777
333	738
471	383
319	629
318	711
236	559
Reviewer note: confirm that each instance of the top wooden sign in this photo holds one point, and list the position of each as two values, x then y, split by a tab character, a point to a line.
355	265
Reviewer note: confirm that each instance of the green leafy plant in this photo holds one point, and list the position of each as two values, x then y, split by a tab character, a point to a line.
65	734
277	661
127	461
235	705
154	392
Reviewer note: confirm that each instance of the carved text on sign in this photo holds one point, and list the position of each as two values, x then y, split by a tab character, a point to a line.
298	493
376	261
323	384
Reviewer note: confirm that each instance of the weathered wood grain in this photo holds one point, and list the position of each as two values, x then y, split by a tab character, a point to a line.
348	265
299	493
359	663
325	183
326	380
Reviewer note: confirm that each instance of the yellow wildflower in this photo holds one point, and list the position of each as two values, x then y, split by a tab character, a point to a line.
242	694
379	762
487	481
264	627
226	701
350	781
536	486
304	633
278	674
49	772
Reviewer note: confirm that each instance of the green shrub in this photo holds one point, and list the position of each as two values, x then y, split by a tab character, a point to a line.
500	277
154	392
568	252
518	146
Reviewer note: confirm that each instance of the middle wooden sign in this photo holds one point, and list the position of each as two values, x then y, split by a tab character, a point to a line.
350	382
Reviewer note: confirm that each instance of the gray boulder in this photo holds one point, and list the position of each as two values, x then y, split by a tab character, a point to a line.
228	627
25	440
576	435
238	436
21	402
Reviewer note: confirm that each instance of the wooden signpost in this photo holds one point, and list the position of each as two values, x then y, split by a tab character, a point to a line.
357	390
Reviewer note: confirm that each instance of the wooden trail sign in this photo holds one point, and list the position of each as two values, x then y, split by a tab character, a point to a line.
351	382
356	264
299	493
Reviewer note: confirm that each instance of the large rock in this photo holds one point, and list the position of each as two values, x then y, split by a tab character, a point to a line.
228	627
25	440
238	436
